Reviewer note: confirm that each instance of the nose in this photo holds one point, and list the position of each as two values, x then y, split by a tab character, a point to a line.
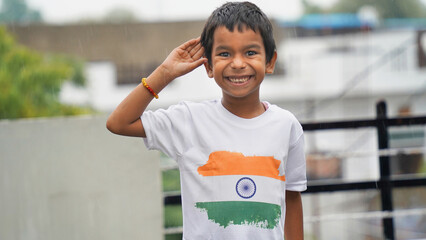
238	62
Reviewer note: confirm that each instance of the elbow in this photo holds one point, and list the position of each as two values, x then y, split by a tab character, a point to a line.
112	126
117	126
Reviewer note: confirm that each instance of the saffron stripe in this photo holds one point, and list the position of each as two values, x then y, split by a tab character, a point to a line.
232	163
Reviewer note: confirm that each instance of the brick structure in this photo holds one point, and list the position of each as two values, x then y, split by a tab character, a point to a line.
135	48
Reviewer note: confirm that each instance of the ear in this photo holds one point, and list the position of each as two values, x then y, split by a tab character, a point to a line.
270	66
209	69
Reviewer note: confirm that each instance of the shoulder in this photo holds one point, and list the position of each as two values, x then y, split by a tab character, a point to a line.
283	114
199	105
203	107
185	108
287	119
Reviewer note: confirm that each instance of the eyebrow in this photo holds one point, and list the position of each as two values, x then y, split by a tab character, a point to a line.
219	48
257	46
224	47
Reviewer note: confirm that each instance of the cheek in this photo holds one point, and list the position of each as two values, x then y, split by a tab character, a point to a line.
218	67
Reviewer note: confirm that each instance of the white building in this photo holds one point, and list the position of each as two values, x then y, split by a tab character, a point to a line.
322	73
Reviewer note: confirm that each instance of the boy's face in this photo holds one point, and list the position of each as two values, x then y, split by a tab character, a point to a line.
239	62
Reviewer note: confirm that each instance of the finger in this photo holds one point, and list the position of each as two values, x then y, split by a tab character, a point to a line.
197	63
195	49
187	46
199	53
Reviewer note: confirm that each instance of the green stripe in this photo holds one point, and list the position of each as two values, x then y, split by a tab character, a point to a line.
262	215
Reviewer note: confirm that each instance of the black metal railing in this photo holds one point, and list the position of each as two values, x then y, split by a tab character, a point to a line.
384	184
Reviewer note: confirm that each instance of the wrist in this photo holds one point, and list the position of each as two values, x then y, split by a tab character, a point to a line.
165	74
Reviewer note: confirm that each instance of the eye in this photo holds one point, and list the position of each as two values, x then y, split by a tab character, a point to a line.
251	53
224	54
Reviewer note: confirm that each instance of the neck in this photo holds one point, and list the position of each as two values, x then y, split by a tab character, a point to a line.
243	108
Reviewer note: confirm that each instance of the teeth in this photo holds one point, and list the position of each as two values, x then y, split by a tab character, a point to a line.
238	80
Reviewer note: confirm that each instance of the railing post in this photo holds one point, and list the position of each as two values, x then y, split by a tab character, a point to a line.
385	174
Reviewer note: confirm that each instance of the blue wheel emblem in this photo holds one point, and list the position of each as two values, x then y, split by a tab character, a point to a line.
246	188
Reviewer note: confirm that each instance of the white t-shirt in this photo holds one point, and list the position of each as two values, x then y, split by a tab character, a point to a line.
234	171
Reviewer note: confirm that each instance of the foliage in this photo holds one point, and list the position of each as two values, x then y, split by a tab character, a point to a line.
173	216
174	237
30	82
120	15
17	11
113	16
385	8
172	213
171	181
310	8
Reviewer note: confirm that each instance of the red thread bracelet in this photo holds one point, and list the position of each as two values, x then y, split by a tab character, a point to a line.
149	88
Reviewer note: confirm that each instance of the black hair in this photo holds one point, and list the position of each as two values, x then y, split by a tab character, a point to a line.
240	14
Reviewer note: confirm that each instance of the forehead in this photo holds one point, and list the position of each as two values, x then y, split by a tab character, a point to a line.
246	36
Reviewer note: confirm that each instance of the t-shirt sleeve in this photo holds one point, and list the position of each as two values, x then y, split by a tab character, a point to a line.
296	161
165	129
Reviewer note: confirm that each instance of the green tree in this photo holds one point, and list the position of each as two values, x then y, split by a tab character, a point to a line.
120	15
309	8
13	11
30	82
115	15
385	8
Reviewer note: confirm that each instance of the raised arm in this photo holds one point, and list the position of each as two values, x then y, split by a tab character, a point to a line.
125	119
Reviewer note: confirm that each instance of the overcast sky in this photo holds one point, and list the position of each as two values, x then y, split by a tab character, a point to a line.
60	11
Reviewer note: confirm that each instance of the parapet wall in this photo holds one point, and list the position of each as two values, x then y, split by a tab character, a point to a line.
69	178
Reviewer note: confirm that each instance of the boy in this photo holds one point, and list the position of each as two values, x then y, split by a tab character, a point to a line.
241	160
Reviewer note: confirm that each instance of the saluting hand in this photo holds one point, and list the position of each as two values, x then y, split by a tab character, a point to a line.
184	58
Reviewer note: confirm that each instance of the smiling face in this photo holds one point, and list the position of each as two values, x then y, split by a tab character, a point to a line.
239	63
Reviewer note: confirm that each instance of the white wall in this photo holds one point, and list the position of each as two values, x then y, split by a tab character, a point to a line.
70	179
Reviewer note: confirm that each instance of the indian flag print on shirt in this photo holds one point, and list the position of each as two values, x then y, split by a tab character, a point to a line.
247	190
